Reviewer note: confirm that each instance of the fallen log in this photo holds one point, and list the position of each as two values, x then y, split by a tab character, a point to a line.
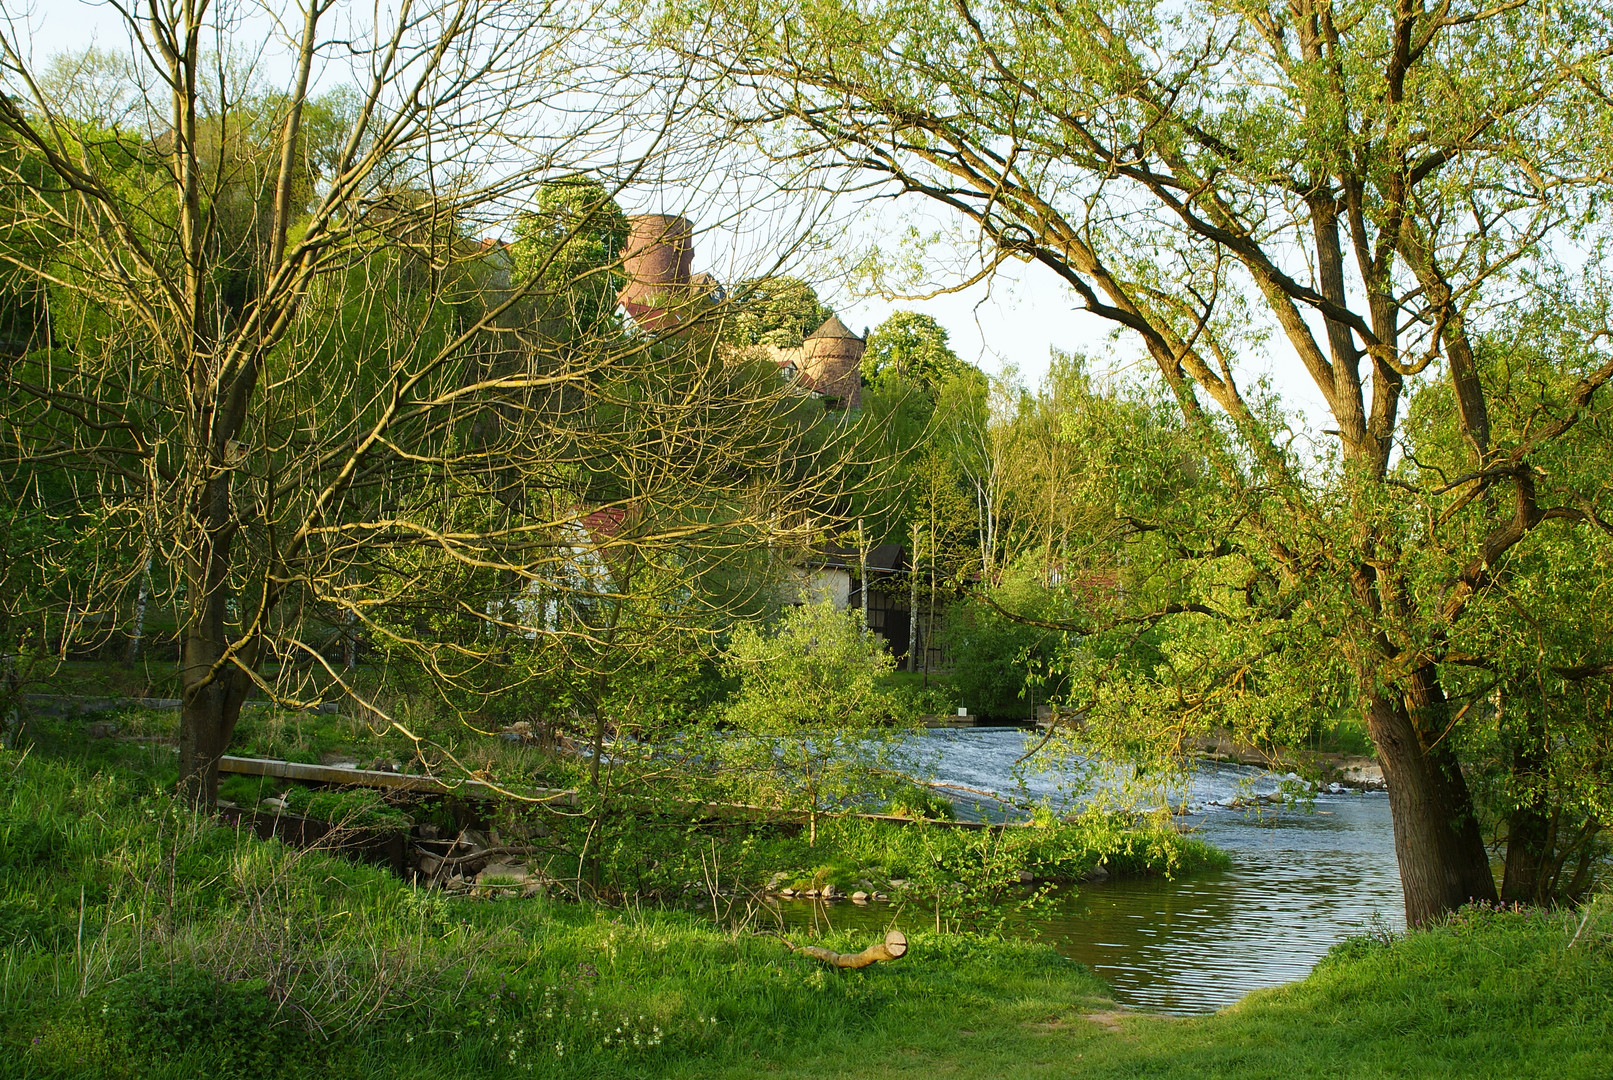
894	945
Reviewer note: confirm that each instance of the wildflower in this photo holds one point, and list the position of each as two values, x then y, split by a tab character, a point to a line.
559	1049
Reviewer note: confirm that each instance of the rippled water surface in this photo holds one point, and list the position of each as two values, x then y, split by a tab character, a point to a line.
1299	882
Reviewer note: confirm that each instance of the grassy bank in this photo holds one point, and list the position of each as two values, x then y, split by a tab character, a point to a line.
137	940
654	841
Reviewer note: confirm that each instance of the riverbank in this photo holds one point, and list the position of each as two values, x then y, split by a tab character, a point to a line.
142	941
650	838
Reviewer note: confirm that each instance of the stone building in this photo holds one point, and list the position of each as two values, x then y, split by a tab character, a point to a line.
663	292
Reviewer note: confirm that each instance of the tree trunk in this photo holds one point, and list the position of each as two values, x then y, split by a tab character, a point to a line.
211	700
1526	878
138	629
1443	863
207	719
862	560
913	604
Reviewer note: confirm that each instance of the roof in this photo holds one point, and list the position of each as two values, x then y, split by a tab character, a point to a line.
889	558
833	328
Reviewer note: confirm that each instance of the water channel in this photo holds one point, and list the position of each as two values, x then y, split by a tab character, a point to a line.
1300	880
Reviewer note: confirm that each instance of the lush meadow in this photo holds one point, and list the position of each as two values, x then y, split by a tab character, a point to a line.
143	940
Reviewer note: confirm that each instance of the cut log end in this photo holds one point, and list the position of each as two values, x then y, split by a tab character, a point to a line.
894	946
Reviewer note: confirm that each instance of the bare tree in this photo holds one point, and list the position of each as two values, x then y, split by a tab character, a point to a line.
277	361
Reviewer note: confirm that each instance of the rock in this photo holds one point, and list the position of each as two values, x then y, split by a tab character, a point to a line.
898	883
811	894
508	873
274	805
1026	877
473	839
429	864
829	892
881	897
429	832
859	897
533	889
528	830
786	892
1097	873
776	880
383	765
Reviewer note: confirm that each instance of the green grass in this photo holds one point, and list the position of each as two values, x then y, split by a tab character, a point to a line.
138	940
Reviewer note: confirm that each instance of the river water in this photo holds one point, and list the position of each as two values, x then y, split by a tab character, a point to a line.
1300	880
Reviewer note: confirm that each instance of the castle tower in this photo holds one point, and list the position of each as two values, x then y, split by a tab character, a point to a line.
657	262
831	363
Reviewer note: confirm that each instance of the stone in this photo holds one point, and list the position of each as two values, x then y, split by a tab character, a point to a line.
429	832
776	880
274	805
881	897
533	889
859	897
1097	873
829	892
786	891
1026	877
507	872
429	864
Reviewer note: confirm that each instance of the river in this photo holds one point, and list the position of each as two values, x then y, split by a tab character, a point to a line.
1300	880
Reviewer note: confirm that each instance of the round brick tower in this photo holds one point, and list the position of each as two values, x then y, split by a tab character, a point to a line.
831	361
656	262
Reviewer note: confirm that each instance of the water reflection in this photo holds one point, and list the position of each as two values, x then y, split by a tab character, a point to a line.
1299	882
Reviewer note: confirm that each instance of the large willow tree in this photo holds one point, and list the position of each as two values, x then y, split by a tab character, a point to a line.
274	381
1357	190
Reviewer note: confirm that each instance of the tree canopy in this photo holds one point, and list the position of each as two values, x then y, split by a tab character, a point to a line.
1370	192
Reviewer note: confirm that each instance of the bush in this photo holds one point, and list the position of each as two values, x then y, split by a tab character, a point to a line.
237	1028
991	659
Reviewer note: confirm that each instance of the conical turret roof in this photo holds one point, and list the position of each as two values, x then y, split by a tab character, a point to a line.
833	328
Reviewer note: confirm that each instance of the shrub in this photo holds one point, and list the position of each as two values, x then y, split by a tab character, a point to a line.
236	1027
